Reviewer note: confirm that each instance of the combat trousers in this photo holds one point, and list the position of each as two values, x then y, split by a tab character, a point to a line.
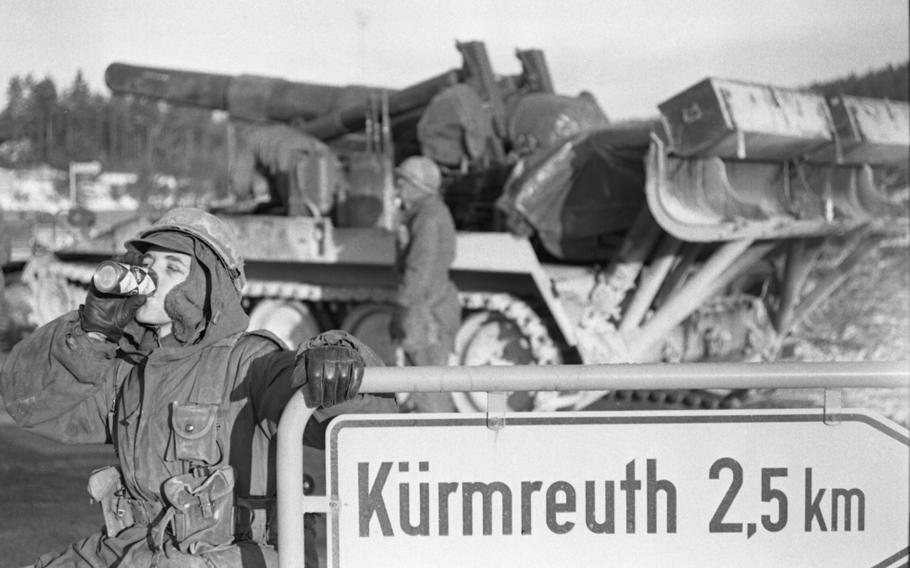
4	314
434	354
130	549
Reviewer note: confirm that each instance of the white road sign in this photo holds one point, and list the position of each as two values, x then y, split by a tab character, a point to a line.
713	488
89	168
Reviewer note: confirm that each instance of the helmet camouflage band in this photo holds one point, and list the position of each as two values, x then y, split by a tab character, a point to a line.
210	230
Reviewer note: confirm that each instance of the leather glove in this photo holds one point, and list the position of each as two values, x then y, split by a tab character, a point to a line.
328	374
108	314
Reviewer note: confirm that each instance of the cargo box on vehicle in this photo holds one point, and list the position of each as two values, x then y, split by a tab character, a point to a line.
734	119
873	131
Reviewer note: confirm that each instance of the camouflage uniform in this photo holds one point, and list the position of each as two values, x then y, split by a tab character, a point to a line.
5	252
193	413
428	310
5	244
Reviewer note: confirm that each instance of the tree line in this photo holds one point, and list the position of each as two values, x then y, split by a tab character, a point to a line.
891	82
43	125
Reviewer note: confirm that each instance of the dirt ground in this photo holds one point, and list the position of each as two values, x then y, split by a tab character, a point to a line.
868	319
44	504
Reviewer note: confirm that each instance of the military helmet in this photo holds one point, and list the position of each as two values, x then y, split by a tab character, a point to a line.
207	228
422	172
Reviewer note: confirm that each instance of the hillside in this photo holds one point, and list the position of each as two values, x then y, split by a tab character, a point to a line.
891	82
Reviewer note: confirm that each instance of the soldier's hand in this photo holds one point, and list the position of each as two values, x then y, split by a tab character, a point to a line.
108	314
328	374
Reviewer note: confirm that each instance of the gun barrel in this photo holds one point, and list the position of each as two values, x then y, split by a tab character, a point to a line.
198	89
353	118
244	96
328	111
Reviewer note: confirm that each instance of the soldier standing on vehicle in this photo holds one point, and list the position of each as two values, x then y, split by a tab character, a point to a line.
299	170
5	253
427	313
189	398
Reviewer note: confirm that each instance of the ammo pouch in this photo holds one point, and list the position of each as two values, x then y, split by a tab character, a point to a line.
202	513
105	485
194	437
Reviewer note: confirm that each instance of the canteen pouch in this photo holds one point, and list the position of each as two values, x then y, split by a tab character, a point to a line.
202	509
194	428
105	485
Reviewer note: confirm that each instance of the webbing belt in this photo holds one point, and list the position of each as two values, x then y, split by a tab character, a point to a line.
250	515
144	512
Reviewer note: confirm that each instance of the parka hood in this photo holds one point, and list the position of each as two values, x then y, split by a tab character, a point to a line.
206	308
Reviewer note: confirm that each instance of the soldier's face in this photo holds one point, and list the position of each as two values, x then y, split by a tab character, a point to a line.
407	192
171	268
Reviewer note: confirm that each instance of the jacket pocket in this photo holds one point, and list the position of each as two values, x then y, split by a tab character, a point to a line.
202	509
195	431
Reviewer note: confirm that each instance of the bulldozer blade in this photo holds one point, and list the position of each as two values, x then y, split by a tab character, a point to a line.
720	199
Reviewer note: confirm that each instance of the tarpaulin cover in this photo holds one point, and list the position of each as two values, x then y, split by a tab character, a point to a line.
541	120
578	195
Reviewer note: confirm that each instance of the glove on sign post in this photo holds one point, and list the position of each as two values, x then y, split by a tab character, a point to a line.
750	488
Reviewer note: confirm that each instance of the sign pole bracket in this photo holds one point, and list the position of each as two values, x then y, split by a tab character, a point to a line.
834	405
496	409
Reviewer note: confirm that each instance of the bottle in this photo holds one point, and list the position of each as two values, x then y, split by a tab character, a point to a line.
120	279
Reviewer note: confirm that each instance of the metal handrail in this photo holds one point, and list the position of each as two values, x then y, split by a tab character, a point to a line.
293	503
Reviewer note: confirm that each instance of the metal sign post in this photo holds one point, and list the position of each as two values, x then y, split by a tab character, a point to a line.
738	484
76	168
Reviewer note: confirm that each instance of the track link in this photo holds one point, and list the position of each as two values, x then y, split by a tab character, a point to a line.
74	279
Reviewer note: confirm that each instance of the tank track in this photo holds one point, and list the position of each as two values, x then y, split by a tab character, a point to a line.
75	278
679	399
703	399
81	275
522	315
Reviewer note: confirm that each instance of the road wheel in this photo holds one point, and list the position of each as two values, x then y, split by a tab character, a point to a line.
290	320
370	324
489	338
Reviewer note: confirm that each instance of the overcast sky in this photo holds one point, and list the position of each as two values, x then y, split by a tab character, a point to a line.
631	54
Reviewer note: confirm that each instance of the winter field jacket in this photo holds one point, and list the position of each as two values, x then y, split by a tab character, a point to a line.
424	260
65	386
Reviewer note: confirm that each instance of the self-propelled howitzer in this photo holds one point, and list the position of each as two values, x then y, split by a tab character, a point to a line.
691	237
